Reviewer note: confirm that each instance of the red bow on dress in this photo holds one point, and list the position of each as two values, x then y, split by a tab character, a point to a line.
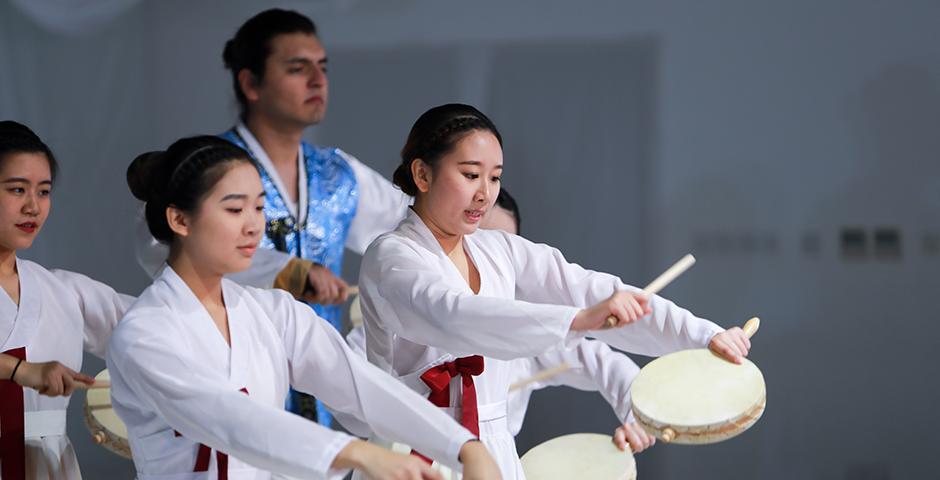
439	377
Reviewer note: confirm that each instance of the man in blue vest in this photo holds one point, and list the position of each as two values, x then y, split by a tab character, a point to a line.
318	200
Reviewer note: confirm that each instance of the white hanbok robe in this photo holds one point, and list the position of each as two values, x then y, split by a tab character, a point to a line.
59	315
419	312
177	385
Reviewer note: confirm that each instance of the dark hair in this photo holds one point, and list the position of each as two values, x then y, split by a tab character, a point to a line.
180	177
251	45
505	201
435	134
18	138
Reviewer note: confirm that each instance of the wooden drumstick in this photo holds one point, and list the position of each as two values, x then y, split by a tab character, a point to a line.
538	377
661	281
353	290
97	384
750	328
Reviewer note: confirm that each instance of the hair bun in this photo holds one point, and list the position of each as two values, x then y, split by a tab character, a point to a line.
141	175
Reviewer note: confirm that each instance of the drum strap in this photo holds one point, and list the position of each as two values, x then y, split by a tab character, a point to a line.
12	428
438	379
205	453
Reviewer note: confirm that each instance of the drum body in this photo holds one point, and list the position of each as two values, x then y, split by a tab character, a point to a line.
579	455
696	397
105	426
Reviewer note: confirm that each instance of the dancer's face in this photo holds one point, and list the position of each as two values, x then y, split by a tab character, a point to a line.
458	192
294	89
25	189
222	234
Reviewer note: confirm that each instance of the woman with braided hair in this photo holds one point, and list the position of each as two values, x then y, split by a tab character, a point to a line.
447	307
200	365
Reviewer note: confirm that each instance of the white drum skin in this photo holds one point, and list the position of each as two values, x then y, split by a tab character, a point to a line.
579	455
696	397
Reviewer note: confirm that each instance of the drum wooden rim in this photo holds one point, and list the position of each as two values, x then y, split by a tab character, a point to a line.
101	434
702	435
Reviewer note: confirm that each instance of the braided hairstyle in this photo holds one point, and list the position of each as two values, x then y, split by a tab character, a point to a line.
18	138
251	45
434	135
180	177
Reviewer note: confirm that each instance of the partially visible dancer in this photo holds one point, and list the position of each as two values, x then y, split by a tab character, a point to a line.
47	319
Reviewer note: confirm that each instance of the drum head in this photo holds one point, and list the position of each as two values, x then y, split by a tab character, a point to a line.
106	427
580	455
695	391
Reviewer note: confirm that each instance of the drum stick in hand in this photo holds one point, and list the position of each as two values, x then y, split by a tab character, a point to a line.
97	384
543	375
661	281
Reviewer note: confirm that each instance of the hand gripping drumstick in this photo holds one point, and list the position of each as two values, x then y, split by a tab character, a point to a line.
97	384
661	281
668	276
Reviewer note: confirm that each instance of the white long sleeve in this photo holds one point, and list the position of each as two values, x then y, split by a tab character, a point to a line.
101	306
346	382
543	275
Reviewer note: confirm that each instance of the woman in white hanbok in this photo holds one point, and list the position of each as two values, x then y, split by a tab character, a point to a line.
200	365
447	308
588	365
47	319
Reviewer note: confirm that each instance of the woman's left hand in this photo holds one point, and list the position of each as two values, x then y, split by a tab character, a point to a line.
633	436
732	344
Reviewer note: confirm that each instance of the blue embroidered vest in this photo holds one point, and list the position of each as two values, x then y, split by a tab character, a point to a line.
332	197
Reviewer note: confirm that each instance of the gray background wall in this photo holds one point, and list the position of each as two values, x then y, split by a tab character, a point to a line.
749	133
